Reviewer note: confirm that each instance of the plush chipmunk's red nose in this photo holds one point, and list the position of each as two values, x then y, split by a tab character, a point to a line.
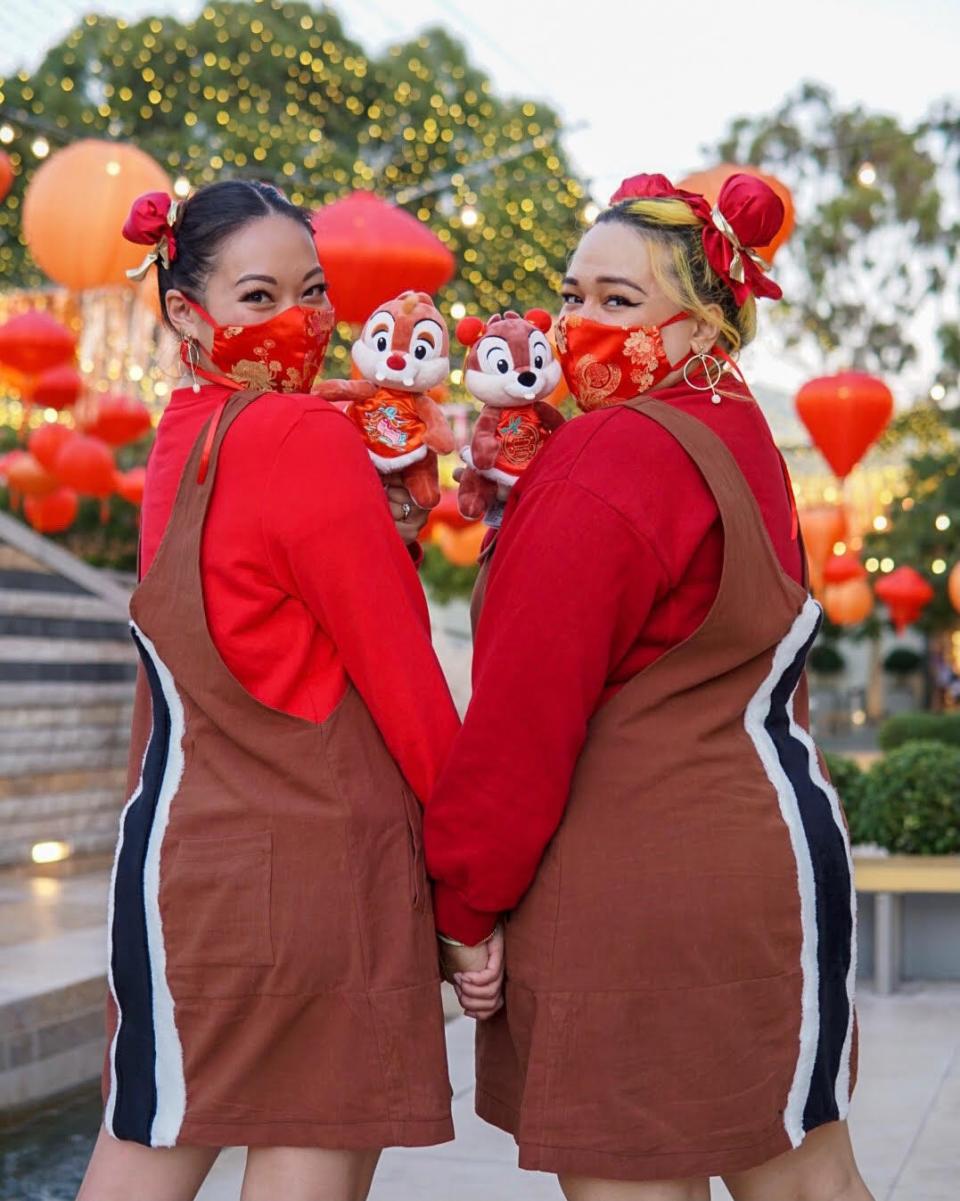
396	362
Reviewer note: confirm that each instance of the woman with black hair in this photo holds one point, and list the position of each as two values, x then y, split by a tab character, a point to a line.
273	966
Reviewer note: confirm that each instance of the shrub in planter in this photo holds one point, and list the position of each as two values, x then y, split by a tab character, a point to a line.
912	802
850	781
929	727
826	660
902	661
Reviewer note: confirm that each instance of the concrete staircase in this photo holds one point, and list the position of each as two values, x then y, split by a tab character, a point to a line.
67	671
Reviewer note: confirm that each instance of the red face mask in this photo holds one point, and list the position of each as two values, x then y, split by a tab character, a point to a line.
605	364
284	354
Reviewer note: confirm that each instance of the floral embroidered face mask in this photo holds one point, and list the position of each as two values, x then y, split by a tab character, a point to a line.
284	354
605	364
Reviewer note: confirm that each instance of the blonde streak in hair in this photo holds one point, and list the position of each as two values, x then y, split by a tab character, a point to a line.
665	212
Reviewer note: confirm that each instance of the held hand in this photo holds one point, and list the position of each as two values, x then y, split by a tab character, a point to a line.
476	974
409	517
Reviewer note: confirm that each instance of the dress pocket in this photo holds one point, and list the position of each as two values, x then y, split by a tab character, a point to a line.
418	870
218	902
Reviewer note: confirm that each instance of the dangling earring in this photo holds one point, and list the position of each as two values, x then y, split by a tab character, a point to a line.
707	364
193	360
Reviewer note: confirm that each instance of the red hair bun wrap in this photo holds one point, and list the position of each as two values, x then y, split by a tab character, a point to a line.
150	223
748	213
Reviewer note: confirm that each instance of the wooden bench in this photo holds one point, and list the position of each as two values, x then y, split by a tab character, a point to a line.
889	878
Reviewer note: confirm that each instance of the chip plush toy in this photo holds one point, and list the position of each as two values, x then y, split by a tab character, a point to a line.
511	368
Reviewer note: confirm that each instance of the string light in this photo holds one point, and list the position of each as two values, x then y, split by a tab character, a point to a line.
887	565
943	522
7	134
181	187
880	524
839	548
872	565
591	211
938	392
458	310
939	566
469	216
867	175
40	147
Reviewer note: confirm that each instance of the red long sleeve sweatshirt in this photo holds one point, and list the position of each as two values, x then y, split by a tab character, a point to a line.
305	582
610	554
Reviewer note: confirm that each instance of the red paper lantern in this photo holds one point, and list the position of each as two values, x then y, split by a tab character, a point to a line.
53	513
34	341
839	569
849	602
46	443
86	465
845	415
906	594
27	476
709	183
6	174
119	420
372	250
57	388
461	547
130	484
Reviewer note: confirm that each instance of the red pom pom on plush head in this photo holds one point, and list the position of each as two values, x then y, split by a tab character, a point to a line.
540	318
470	330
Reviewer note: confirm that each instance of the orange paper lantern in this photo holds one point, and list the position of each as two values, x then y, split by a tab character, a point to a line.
708	184
86	465
848	603
6	174
953	587
29	477
461	547
75	207
906	594
372	250
845	415
822	526
53	513
46	443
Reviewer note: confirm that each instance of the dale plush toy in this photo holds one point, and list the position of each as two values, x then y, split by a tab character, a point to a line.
511	368
403	352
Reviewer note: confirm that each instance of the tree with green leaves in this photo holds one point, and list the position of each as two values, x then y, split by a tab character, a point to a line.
275	89
872	268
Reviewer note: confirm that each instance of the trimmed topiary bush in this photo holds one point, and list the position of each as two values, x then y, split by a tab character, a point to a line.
912	800
826	660
902	661
913	727
850	781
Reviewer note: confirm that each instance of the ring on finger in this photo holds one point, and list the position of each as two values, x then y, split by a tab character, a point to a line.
405	510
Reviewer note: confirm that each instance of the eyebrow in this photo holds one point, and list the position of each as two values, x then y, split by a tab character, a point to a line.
608	279
263	279
318	270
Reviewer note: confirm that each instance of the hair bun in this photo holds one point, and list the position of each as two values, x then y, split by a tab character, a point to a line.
754	210
150	219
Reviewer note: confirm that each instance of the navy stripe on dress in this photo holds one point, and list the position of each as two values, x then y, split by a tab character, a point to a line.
834	919
135	1053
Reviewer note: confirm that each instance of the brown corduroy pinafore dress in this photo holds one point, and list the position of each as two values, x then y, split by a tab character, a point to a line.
273	965
681	972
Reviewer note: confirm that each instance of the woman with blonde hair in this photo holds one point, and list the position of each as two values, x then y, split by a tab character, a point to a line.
635	789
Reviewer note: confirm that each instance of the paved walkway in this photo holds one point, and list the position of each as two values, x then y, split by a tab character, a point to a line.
905	1120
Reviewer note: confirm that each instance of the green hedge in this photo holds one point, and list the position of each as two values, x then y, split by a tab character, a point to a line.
911	802
920	727
850	782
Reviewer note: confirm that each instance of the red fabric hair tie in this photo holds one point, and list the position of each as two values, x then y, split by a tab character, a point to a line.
748	213
150	223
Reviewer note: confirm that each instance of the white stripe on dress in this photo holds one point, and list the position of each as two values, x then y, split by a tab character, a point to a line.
755	719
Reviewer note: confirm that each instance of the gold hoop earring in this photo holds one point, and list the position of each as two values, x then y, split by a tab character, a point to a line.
193	360
707	364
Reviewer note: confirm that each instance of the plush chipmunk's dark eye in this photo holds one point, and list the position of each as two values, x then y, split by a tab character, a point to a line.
538	361
503	366
420	352
381	343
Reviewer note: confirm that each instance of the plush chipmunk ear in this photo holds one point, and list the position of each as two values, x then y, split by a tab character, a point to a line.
470	330
540	318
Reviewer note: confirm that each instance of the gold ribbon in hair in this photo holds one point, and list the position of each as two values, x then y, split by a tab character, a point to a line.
737	271
160	252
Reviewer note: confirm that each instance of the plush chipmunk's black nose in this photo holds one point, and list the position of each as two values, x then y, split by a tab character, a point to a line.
526	379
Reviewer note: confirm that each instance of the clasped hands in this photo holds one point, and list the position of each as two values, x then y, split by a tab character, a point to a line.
476	974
